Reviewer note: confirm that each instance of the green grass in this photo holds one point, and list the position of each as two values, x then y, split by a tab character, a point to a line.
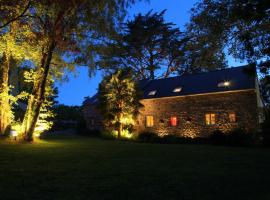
87	168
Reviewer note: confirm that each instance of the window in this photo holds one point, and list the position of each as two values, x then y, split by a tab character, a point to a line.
232	117
173	121
152	93
178	89
210	119
224	84
149	121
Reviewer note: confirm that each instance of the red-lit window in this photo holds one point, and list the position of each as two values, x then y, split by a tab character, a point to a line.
173	121
232	117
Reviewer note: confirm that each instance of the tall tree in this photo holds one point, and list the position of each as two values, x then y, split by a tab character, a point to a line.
147	45
119	100
69	29
14	48
239	28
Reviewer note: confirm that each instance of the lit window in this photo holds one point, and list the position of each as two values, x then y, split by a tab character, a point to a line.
224	84
232	117
152	93
210	119
173	121
179	89
149	121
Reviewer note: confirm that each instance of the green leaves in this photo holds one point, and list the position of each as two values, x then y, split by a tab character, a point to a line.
119	99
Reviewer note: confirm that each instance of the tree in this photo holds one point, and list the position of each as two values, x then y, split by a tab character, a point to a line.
147	45
242	28
69	29
119	100
11	11
14	48
46	115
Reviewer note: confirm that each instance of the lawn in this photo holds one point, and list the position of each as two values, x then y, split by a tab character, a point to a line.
88	168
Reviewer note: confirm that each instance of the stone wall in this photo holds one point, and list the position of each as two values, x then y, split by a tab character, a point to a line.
92	117
190	112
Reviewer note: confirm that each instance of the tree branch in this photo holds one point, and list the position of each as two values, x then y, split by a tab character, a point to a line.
18	17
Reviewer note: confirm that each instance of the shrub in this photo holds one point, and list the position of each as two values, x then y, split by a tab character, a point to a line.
172	139
237	137
217	138
240	137
266	139
266	128
107	135
265	136
148	137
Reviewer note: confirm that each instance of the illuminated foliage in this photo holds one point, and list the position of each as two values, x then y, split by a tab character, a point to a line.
67	32
14	48
119	101
54	36
46	114
11	11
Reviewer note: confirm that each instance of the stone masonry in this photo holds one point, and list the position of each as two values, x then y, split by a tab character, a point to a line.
190	112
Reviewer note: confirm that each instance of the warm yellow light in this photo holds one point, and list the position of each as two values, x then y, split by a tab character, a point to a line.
37	135
14	133
226	83
126	134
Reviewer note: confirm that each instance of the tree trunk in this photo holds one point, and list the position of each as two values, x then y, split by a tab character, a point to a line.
120	126
120	129
5	109
38	95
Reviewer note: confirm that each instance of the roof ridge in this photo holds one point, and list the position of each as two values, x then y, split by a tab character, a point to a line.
201	73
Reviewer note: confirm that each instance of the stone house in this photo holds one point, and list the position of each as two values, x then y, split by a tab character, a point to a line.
195	105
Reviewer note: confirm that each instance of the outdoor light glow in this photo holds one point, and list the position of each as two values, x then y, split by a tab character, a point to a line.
37	135
152	93
127	120
126	134
179	89
226	83
14	133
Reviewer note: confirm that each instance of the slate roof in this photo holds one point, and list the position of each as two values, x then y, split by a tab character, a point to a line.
200	83
91	100
192	84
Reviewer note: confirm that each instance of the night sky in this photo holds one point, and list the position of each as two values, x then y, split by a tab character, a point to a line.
80	85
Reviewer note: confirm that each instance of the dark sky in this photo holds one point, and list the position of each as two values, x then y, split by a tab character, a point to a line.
80	85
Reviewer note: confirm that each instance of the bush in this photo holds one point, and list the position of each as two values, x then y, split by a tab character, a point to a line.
265	135
172	139
169	139
239	137
107	135
266	128
148	137
217	138
266	139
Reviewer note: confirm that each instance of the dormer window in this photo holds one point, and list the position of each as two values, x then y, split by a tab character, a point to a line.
178	89
224	84
152	93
